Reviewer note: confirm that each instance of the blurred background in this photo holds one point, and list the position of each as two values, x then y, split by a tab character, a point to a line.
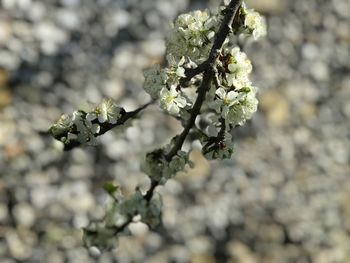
284	197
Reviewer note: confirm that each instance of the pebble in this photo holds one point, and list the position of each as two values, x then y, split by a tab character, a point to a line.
24	214
17	248
268	6
3	213
67	19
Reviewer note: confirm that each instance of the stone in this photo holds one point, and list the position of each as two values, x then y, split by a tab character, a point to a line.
276	107
267	6
68	19
17	248
3	213
5	32
240	252
200	170
24	214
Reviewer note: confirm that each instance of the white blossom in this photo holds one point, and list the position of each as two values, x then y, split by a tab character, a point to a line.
224	98
239	68
171	100
238	113
176	70
191	35
107	111
227	98
255	23
62	126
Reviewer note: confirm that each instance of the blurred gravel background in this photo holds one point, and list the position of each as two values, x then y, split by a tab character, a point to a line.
283	198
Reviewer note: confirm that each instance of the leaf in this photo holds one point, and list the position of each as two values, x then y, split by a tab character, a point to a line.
110	188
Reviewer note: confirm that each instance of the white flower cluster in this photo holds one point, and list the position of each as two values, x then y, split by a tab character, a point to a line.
192	35
163	84
239	67
239	112
232	97
107	111
75	128
233	101
171	100
235	98
254	23
83	127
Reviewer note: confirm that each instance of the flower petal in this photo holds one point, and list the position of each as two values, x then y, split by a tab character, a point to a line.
180	72
164	92
95	128
221	93
91	116
212	131
173	109
181	102
173	92
231	95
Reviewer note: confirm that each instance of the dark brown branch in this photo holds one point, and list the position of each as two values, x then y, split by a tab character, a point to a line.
190	73
202	90
148	196
225	28
124	118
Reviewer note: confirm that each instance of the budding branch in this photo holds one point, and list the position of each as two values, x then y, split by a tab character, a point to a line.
208	67
209	72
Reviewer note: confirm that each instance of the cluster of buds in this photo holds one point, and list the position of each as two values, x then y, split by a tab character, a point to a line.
83	127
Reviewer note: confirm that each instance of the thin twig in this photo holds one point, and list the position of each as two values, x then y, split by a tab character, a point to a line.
105	127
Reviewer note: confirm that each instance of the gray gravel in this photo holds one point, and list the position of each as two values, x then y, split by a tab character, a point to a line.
283	197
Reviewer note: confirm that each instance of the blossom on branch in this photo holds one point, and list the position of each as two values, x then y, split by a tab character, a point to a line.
171	100
107	111
191	35
206	79
243	110
254	23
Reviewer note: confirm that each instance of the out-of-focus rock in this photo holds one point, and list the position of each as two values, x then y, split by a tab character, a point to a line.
202	258
239	252
5	94
17	248
24	214
201	167
276	107
267	6
5	32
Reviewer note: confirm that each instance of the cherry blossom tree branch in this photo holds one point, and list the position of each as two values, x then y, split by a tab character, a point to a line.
208	67
105	127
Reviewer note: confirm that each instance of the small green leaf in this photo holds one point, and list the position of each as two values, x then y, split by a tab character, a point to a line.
244	89
110	188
